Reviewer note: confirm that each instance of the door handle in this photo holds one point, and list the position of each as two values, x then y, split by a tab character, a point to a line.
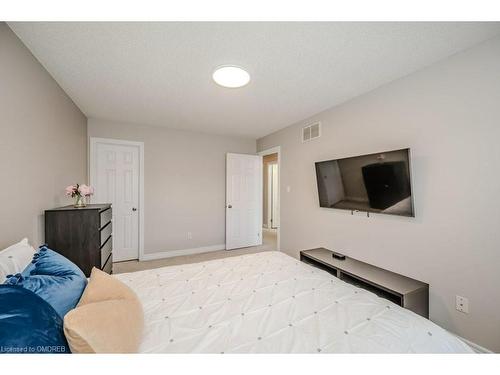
134	209
229	206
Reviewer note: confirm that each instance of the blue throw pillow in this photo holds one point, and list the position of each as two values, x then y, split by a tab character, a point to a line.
28	324
27	271
49	262
54	278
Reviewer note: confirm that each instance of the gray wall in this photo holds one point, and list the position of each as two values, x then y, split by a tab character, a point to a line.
42	142
449	114
184	183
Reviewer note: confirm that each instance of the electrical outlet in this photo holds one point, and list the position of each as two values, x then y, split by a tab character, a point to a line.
462	304
190	235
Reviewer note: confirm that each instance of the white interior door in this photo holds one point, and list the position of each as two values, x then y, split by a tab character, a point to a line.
115	176
243	200
275	207
269	196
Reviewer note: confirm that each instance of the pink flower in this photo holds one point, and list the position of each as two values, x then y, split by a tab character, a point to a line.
70	190
86	190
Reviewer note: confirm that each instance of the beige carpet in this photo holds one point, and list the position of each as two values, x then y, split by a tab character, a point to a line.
269	244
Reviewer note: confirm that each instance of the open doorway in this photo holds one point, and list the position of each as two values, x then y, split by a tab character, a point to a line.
271	199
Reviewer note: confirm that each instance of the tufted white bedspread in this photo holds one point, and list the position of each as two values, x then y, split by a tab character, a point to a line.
272	303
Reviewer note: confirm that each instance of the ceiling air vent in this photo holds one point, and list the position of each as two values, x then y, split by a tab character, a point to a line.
311	132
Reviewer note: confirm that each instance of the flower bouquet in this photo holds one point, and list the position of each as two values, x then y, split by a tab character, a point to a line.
79	192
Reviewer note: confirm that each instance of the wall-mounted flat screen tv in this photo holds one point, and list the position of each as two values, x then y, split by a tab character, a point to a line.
379	183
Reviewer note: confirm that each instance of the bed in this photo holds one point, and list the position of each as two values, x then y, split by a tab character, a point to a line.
270	302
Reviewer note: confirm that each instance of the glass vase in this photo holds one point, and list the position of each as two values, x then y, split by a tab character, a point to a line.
80	202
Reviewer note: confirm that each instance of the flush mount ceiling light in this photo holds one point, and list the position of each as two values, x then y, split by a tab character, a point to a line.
231	76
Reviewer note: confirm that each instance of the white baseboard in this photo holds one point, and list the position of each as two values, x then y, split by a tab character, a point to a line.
477	348
175	253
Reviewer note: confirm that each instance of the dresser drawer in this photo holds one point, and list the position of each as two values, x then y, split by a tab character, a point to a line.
106	249
108	267
105	217
106	232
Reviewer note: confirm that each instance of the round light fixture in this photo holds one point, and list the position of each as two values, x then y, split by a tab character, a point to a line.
231	76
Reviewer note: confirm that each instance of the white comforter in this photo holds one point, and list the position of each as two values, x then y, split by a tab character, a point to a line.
272	303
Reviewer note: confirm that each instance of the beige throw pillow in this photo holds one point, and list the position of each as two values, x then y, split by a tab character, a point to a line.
103	287
108	318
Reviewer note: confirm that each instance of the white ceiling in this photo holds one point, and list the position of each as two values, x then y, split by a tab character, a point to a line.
160	73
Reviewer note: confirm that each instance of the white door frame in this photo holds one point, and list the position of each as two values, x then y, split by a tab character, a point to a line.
269	151
92	170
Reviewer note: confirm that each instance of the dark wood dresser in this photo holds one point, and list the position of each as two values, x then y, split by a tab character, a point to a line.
83	235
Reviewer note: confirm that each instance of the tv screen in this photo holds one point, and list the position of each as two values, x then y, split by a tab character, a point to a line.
379	182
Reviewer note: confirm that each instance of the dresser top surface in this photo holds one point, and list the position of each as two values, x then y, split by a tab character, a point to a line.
99	207
373	274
